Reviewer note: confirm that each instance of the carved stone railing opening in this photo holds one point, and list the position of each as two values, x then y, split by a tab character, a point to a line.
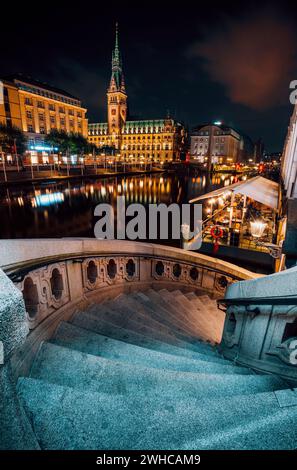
92	272
31	297
130	268
57	285
112	269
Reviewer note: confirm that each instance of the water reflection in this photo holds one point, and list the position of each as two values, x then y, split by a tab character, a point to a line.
65	209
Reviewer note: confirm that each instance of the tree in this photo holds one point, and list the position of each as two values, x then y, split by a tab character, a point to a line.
78	143
72	143
58	139
12	139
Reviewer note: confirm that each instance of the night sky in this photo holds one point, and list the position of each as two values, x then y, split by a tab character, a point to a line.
227	61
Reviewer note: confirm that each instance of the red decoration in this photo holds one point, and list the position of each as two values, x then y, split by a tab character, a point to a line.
216	233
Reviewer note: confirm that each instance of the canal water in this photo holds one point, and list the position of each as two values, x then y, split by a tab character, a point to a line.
66	208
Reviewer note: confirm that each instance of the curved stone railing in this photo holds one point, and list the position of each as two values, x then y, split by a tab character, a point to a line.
261	324
59	276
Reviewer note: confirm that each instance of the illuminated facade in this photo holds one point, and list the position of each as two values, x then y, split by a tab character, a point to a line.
156	139
37	108
224	144
10	111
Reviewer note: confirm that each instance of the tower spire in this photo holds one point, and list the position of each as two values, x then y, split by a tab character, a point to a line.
116	94
117	81
117	36
116	55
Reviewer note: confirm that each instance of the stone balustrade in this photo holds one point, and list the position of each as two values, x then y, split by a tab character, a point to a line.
261	324
58	277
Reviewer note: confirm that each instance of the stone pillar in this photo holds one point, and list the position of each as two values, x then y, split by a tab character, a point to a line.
16	432
13	318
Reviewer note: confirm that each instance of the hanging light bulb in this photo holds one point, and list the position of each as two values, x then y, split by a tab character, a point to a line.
257	228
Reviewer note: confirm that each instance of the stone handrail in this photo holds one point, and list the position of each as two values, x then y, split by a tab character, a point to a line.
261	324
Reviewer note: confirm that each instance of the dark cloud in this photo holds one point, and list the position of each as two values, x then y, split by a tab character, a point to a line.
254	58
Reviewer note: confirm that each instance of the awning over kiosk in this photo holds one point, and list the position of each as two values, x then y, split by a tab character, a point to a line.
258	188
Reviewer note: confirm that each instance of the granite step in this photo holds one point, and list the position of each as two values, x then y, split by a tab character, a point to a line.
90	322
122	314
155	316
114	318
192	327
211	328
64	366
178	320
73	337
100	325
213	318
163	317
66	418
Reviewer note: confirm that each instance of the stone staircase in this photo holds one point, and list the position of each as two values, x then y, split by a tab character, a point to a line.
142	371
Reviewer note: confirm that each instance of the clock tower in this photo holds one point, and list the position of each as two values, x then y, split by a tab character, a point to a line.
116	96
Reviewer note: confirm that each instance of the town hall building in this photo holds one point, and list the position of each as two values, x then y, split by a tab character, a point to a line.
160	140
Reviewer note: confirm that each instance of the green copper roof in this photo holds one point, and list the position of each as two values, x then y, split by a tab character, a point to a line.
117	76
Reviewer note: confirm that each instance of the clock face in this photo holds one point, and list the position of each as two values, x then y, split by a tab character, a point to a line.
113	112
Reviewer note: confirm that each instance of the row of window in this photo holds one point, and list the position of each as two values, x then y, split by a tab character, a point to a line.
143	130
156	156
205	139
42	129
131	130
49	94
146	147
214	153
52	118
201	146
149	137
52	107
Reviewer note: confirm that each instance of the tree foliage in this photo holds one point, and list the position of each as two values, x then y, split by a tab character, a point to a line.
11	136
72	143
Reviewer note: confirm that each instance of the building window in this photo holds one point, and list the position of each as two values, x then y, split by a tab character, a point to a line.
42	130
28	101
51	107
30	128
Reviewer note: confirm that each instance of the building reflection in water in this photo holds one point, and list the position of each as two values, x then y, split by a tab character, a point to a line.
65	209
